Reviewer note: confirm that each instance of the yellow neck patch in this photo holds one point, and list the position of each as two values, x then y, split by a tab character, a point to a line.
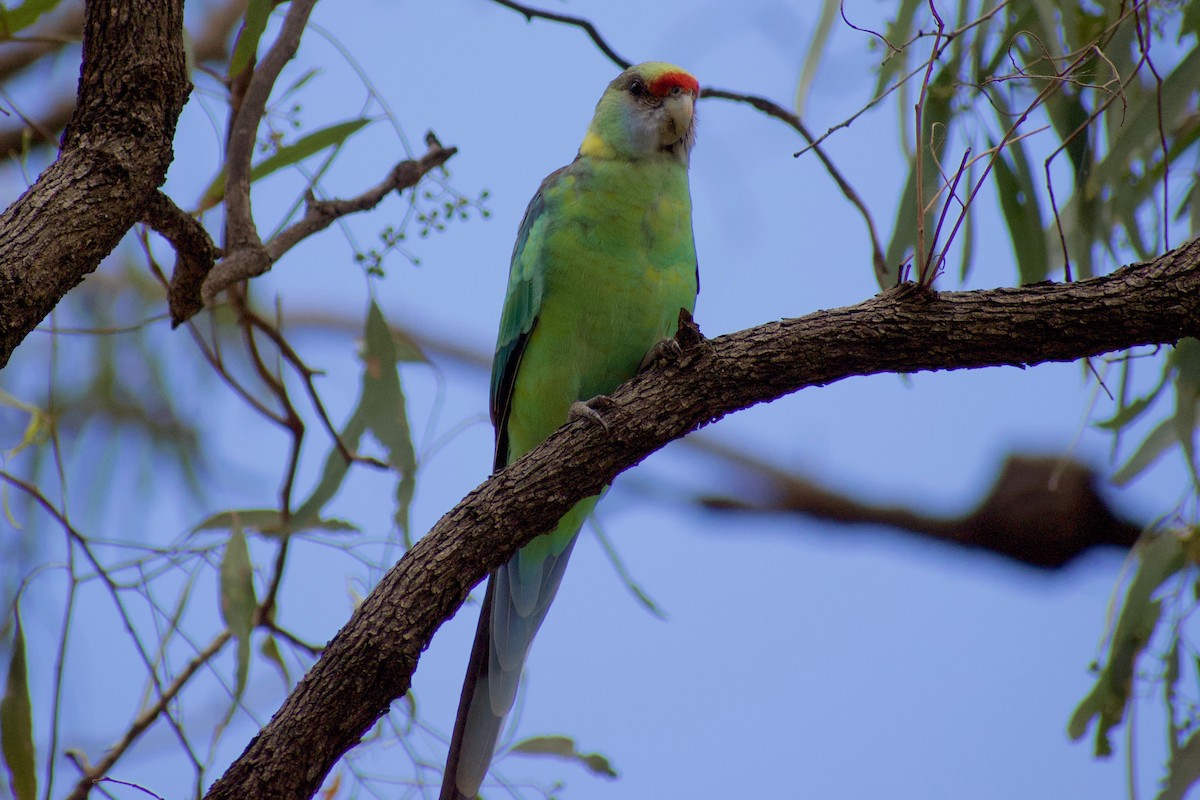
594	146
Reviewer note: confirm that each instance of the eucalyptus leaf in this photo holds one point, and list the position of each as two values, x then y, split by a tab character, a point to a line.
563	748
238	601
285	156
16	723
253	25
15	20
1154	445
1160	556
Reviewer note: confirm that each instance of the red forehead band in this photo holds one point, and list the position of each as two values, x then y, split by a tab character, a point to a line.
662	85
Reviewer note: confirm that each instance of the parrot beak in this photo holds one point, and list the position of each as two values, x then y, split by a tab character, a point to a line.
680	110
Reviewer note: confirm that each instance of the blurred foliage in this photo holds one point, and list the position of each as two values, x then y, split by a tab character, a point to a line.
1085	112
16	722
110	406
1085	115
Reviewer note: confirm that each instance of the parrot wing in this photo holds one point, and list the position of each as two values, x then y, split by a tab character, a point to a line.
503	635
522	303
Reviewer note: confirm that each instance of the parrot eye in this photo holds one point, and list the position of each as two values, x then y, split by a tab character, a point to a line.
637	89
675	90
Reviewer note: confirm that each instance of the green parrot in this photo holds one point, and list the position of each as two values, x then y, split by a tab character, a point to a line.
603	263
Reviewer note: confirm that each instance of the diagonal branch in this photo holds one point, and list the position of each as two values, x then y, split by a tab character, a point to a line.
369	663
115	153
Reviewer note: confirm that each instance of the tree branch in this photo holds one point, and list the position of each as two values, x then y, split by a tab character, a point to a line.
369	663
115	153
1042	511
251	261
208	44
194	254
240	230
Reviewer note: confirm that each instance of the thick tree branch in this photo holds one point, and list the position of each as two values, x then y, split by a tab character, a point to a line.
210	43
371	660
1043	511
115	153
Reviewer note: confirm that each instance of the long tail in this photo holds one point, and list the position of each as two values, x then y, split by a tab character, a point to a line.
514	605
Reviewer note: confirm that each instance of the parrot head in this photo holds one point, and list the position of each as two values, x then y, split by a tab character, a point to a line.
648	111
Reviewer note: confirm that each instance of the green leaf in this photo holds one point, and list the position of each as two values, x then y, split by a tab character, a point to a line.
269	522
1139	136
270	651
898	32
266	520
1183	771
385	409
1127	413
1186	359
19	18
1162	437
815	52
38	429
1022	213
289	154
1160	557
935	116
1171	693
16	723
563	748
381	410
238	601
1191	20
1194	202
257	13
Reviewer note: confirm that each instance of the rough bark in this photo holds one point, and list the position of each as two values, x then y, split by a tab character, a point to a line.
370	661
1045	510
115	153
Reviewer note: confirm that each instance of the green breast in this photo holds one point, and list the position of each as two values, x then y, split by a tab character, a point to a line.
619	262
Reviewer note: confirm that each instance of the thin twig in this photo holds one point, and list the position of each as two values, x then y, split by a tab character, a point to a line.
919	165
773	109
531	14
762	104
319	214
144	720
241	231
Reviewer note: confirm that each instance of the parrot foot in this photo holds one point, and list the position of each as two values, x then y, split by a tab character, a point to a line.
591	410
664	351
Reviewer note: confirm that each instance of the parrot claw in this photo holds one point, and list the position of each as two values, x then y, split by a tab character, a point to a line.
664	351
591	410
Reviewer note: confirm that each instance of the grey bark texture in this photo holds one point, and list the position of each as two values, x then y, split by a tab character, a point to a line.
114	155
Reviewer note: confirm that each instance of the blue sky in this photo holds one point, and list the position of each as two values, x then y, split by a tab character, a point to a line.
797	660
